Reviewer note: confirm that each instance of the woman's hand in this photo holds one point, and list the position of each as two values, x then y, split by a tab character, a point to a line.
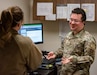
50	55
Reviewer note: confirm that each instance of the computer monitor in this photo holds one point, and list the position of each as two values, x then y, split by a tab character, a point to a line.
34	31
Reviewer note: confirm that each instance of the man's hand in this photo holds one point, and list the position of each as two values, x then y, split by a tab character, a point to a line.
66	60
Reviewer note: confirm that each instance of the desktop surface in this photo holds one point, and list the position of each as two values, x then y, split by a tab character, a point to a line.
48	67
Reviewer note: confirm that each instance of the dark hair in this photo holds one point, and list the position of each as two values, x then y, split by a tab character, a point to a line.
80	11
9	19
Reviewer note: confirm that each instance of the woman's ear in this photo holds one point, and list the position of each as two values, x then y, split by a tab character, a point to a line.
19	25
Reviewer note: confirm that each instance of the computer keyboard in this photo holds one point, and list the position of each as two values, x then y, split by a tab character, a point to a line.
46	61
47	64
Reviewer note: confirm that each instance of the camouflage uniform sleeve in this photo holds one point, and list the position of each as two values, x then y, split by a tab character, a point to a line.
89	53
59	52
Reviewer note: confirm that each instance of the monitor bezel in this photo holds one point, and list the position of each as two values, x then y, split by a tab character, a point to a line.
40	42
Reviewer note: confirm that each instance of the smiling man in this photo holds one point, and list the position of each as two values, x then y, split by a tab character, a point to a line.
79	47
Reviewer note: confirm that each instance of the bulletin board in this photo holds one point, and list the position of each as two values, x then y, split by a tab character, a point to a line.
55	3
35	17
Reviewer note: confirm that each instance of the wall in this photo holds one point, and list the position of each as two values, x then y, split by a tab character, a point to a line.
52	40
24	4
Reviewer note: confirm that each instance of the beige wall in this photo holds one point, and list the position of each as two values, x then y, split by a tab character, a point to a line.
52	41
24	4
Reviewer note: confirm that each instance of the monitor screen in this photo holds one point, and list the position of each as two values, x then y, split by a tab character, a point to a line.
34	31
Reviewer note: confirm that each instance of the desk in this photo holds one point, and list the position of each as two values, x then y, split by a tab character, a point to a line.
42	70
52	71
45	72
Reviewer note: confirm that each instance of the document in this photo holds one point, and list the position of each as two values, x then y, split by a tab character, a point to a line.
70	7
50	17
90	11
44	8
61	11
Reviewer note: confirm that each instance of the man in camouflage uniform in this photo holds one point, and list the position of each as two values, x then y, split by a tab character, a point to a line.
79	47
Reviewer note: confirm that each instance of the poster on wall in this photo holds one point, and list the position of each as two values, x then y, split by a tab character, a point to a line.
44	8
90	11
70	7
61	11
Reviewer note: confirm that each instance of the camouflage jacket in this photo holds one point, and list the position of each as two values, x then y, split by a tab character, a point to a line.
82	48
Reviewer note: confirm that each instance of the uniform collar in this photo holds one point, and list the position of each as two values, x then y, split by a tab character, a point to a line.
13	31
79	34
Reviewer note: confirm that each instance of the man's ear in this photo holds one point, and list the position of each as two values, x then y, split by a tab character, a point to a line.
84	22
